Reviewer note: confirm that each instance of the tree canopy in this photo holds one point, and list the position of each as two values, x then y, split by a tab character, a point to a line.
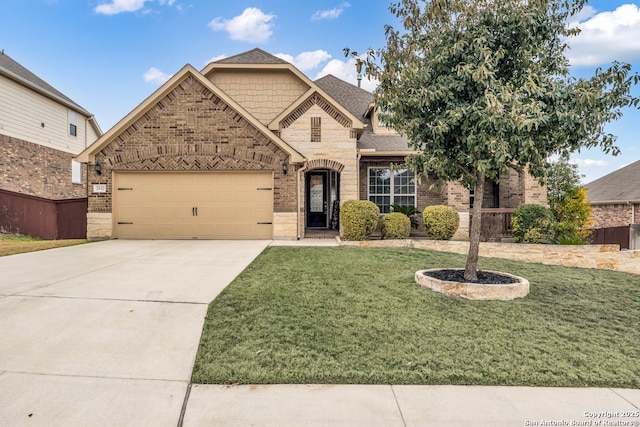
568	202
481	86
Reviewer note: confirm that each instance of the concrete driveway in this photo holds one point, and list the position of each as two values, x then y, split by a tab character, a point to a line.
107	333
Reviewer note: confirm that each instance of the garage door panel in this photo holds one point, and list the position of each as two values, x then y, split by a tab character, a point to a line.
220	205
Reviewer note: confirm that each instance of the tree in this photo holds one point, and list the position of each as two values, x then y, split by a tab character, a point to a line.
573	216
481	86
562	179
568	202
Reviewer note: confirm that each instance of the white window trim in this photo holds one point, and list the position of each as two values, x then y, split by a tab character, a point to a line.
73	120
391	187
76	172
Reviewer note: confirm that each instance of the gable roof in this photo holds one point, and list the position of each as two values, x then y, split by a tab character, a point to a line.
12	69
353	98
622	185
259	59
359	102
89	153
254	56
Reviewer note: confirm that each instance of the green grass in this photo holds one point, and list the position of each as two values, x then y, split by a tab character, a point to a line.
356	316
11	244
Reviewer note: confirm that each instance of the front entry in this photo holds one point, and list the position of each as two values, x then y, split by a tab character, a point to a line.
317	199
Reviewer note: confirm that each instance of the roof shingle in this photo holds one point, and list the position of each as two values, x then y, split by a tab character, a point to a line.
353	98
357	101
12	67
622	185
254	56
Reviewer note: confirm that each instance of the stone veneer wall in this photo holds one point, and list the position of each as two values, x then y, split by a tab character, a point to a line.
615	215
33	169
606	257
264	93
190	129
336	149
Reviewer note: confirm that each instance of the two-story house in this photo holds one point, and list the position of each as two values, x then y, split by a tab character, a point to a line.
251	148
42	188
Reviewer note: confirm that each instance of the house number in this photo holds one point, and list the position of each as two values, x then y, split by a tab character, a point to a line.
99	188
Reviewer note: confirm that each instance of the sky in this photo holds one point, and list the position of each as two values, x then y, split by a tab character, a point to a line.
109	55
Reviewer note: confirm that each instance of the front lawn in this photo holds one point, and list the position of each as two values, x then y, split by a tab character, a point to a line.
355	316
11	244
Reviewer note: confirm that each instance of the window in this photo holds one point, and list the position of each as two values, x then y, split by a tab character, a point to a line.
315	129
387	187
76	172
73	123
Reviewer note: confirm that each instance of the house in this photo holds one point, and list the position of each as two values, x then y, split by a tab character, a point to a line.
42	190
251	148
615	198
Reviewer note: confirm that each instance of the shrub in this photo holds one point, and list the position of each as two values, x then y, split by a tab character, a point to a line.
409	211
533	224
359	219
395	225
573	217
440	222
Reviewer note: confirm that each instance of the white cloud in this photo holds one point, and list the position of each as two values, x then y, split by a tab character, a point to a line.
586	13
217	58
330	13
306	60
587	163
156	76
252	25
606	36
118	6
346	70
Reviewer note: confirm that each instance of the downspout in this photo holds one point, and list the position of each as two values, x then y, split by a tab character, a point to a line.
358	157
299	206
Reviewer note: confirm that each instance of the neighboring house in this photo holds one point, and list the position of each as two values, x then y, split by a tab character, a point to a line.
41	131
615	198
251	148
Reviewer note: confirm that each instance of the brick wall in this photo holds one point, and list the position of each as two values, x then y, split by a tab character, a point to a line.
532	191
32	169
614	215
425	195
191	129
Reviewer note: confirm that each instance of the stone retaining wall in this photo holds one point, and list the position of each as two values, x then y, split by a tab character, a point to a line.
607	257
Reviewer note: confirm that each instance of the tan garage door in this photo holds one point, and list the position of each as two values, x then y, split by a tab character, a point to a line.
193	205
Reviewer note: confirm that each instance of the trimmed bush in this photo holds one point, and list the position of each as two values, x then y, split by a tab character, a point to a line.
395	225
533	224
440	222
359	219
409	211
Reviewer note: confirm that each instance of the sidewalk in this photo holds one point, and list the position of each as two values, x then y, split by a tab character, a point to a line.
410	406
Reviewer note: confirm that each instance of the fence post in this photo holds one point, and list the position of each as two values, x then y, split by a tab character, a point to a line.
634	237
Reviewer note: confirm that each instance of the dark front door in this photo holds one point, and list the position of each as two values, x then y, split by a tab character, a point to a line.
317	195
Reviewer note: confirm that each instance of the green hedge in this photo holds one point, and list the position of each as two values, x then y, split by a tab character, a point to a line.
533	224
395	225
440	222
359	219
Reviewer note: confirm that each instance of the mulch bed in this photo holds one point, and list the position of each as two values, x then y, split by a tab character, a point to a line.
484	277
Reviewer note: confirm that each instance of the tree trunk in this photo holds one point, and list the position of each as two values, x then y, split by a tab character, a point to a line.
471	268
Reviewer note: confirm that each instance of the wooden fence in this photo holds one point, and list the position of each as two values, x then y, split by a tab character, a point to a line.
496	224
611	236
43	218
